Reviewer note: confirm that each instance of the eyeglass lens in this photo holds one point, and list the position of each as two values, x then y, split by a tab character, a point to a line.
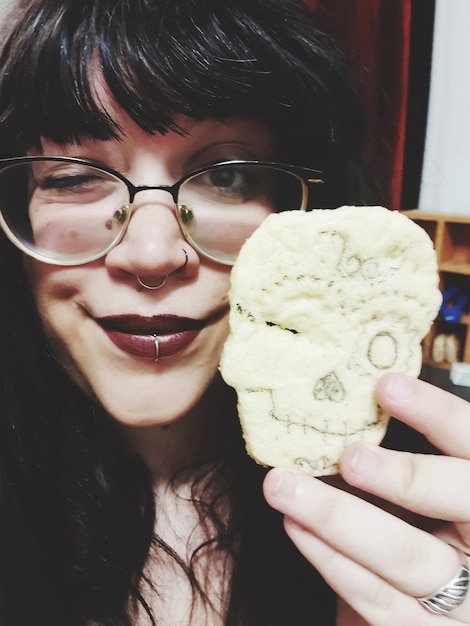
63	211
68	212
220	209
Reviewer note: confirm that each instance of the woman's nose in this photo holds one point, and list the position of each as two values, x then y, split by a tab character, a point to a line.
153	245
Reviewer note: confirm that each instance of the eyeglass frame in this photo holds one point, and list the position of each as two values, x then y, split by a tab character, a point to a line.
305	175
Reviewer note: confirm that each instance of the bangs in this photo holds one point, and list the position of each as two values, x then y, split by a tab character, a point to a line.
157	59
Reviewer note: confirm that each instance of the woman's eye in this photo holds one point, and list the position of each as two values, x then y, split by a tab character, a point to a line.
76	182
223	178
237	182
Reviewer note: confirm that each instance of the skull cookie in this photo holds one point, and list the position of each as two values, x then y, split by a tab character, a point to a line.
322	303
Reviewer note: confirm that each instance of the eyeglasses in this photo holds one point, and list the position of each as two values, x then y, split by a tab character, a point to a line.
68	211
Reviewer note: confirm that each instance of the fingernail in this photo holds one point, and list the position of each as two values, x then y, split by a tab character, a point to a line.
364	458
399	387
285	485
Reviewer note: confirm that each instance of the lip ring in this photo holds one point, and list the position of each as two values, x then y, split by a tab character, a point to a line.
151	346
139	335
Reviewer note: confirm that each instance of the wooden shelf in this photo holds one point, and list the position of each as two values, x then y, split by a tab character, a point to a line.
455	268
451	237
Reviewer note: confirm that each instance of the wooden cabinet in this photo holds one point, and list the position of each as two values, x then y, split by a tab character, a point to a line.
451	237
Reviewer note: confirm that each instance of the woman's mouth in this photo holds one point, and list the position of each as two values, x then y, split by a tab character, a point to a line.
151	337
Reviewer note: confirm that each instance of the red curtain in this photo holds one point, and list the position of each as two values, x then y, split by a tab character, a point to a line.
378	33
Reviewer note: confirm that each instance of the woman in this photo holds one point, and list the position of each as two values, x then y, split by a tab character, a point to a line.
126	495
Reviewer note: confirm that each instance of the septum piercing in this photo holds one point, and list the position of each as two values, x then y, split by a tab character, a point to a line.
159	286
165	278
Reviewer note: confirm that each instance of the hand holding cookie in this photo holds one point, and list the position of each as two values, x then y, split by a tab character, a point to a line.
403	559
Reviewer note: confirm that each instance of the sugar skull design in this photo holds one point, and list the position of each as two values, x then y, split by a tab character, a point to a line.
322	304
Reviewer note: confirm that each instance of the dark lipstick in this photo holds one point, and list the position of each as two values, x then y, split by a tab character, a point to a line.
151	337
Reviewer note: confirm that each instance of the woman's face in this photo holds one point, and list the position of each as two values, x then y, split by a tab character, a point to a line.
103	325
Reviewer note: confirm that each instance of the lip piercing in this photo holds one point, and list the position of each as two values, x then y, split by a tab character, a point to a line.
157	349
147	286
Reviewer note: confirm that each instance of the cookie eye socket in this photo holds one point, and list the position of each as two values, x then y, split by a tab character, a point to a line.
383	350
290	330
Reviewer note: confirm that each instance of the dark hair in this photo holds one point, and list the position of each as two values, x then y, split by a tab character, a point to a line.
77	512
201	58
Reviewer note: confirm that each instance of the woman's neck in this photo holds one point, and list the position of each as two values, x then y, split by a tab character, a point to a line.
183	525
189	439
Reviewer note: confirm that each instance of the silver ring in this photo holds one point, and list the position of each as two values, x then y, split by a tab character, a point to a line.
165	278
147	286
185	259
450	596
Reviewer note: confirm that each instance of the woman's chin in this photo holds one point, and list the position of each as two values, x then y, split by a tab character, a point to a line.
159	405
140	414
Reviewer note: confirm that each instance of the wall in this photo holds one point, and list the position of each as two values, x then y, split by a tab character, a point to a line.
445	182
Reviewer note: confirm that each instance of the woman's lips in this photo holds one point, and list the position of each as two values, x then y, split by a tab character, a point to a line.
151	337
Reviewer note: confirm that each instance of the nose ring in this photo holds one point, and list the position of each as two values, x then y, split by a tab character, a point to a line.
147	286
165	278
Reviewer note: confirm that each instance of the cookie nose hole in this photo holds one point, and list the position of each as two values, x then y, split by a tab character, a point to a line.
329	388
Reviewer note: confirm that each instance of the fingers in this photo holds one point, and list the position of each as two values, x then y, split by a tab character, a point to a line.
377	562
426	484
378	602
404	556
442	417
346	615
